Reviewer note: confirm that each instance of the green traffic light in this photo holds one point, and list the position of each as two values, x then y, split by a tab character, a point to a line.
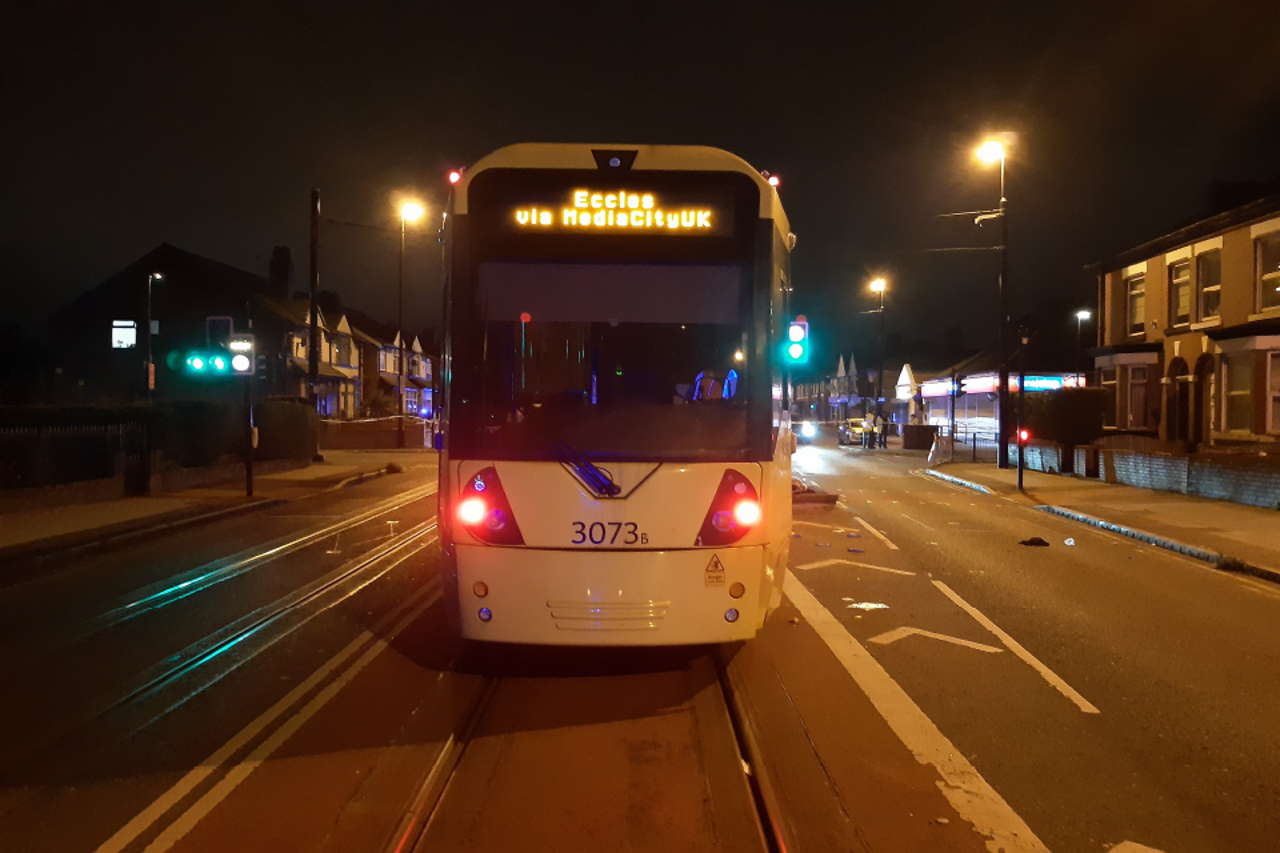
196	362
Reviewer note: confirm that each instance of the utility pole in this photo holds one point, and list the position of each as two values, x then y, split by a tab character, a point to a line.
313	339
403	343
1003	378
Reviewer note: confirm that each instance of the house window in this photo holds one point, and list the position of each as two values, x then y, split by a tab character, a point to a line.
1273	392
1180	293
1110	386
1237	389
1136	288
1137	397
344	351
1268	254
1209	283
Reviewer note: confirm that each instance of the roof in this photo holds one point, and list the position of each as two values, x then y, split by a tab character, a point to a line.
1208	227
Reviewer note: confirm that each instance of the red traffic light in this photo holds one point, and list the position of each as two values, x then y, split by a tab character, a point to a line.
1024	434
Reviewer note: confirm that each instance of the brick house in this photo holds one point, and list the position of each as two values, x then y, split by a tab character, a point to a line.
1189	331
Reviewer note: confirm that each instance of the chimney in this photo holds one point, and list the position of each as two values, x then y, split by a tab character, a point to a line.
279	271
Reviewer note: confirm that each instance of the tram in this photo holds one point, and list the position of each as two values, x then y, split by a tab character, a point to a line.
615	463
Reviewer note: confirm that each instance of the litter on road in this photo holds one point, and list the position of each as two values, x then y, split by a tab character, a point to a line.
1035	542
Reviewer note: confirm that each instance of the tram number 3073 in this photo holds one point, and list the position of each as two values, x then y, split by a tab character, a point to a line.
608	533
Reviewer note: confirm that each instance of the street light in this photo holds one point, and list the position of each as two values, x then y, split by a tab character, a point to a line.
149	379
992	151
880	285
1082	315
410	212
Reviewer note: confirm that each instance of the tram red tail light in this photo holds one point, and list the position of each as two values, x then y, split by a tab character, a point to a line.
735	509
485	513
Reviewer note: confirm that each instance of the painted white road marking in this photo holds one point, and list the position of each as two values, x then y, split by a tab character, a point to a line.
188	783
818	564
905	631
876	533
1133	847
1055	681
818	524
916	520
969	794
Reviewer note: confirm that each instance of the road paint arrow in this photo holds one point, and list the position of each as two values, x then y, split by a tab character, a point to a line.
804	567
905	631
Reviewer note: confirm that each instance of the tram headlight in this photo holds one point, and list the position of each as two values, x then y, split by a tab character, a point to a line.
734	510
747	513
471	511
485	512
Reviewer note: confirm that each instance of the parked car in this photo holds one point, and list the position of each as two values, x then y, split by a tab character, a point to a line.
850	432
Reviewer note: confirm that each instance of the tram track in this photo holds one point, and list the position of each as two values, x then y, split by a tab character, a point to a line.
154	690
160	594
726	734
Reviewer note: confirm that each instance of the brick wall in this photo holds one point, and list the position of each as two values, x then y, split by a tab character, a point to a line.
1044	456
1248	479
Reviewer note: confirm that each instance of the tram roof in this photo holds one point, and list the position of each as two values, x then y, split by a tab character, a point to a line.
675	158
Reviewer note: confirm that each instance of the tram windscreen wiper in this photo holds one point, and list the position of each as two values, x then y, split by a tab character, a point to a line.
595	477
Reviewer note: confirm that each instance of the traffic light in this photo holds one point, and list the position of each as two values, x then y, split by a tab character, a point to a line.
796	346
1023	435
241	347
208	362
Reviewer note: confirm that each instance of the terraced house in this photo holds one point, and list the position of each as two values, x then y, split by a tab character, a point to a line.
1189	331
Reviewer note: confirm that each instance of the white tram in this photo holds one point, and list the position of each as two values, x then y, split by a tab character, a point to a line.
616	462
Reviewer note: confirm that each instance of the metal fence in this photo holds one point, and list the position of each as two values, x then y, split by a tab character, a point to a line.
53	455
965	446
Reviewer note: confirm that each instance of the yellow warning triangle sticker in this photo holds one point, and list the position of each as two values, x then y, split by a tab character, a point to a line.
714	573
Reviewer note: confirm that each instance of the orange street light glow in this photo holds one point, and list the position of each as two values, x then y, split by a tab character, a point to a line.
878	285
412	211
991	151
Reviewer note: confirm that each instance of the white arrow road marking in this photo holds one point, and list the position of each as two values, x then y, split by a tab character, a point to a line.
969	794
1055	681
876	533
906	631
804	567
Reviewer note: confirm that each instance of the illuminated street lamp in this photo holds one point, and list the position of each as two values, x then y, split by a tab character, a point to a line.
880	285
149	379
1081	316
990	152
411	212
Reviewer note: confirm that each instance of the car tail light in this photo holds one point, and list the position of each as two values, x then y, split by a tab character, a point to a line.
735	509
484	512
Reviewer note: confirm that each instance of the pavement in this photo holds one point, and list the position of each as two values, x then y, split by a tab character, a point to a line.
52	529
1206	529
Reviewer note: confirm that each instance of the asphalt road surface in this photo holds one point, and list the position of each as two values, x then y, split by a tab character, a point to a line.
1109	690
281	681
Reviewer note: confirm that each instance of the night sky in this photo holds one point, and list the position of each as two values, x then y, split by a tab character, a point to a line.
207	129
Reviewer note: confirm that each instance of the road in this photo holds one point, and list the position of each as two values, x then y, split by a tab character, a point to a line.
281	681
1135	698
